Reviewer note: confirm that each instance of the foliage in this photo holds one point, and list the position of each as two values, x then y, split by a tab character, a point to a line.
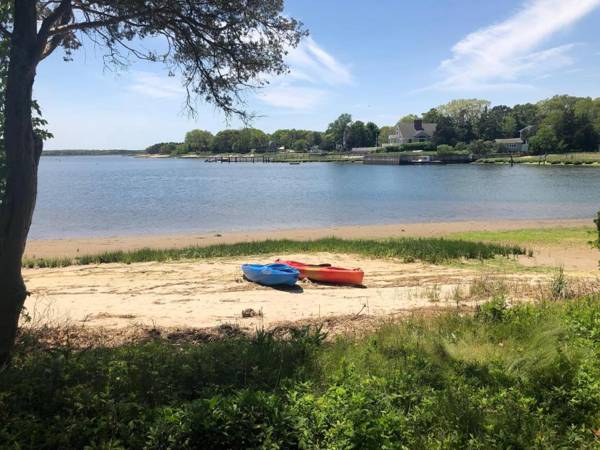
220	48
409	118
446	150
558	124
482	148
384	134
336	130
372	134
198	141
411	146
239	141
356	136
433	250
545	141
519	377
163	148
301	140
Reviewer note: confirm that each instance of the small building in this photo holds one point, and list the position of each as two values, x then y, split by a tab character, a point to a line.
516	145
511	145
416	131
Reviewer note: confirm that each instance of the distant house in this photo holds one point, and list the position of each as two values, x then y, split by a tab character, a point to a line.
416	131
516	145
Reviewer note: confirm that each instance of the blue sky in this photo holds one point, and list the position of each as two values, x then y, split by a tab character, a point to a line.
378	60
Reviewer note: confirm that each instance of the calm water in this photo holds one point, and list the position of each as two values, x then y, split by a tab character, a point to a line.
111	196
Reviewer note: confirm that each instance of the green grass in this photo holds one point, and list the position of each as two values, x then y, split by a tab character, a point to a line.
428	250
529	237
581	158
522	377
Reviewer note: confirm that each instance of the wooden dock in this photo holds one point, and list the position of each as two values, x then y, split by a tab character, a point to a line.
401	160
240	159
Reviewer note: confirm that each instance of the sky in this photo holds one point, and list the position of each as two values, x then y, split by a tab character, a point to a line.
377	60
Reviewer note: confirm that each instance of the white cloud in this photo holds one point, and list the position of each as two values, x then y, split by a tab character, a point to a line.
293	97
156	86
310	62
314	75
506	53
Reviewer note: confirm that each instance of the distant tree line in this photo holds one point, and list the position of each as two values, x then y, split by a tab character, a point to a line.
341	134
556	125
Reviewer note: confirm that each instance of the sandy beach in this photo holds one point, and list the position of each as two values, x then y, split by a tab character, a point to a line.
209	293
81	246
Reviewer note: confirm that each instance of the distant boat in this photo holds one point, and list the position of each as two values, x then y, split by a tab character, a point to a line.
294	163
327	273
271	274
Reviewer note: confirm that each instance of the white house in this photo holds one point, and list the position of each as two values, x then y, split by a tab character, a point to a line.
416	131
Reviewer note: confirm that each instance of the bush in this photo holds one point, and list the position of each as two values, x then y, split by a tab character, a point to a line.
411	146
492	311
163	148
519	377
445	150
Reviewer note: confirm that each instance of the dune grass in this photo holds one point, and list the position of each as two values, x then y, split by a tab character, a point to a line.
532	236
520	377
428	250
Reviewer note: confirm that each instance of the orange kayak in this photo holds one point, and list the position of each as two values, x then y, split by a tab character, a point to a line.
327	273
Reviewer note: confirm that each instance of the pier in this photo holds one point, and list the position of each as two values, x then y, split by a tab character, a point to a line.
400	160
240	159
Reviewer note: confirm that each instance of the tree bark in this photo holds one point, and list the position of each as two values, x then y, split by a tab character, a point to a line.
23	151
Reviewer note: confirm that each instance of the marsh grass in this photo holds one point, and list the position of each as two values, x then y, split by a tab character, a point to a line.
428	250
505	377
533	236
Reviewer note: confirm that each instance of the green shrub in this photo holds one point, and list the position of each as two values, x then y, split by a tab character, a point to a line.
519	377
411	146
492	311
445	149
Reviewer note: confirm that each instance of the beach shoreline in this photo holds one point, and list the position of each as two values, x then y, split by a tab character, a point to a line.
72	247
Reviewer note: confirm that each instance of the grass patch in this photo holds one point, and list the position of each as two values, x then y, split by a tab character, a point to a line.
521	377
567	159
499	265
575	236
428	250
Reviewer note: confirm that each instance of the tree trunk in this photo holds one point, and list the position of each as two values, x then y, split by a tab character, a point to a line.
23	151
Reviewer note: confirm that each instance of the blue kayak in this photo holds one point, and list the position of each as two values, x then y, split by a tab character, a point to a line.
271	274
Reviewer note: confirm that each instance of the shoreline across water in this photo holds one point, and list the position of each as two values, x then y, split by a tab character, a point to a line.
72	247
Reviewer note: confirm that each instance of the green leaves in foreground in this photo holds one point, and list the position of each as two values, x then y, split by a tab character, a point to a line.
520	377
427	249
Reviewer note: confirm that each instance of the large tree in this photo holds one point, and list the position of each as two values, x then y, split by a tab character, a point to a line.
338	128
198	141
219	47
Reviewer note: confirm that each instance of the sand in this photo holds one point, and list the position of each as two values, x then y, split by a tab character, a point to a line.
203	294
73	247
209	293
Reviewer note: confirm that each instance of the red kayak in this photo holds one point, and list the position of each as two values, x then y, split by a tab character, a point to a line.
327	273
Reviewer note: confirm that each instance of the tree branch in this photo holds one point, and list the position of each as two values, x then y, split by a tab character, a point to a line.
53	17
84	25
5	32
